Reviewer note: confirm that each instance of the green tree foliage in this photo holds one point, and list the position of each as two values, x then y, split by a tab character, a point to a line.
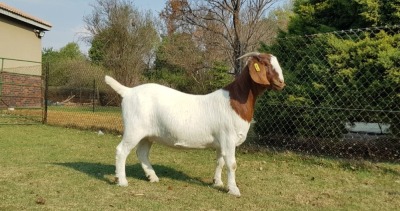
366	74
70	73
96	52
335	78
69	51
122	39
181	63
318	16
169	69
59	63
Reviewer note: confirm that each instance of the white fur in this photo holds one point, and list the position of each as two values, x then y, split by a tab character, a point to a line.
154	113
277	67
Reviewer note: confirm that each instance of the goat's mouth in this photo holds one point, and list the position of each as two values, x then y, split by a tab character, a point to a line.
277	85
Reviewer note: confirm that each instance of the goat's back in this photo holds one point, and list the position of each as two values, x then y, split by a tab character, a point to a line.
157	100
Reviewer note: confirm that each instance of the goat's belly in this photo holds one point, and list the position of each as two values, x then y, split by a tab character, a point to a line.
185	143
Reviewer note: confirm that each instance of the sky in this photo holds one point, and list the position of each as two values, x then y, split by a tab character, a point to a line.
66	18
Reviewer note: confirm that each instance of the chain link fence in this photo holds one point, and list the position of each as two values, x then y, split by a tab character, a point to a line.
21	92
342	97
77	97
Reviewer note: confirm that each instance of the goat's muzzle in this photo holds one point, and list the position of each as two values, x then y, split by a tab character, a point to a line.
278	84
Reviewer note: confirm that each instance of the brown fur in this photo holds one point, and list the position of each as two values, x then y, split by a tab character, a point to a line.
250	84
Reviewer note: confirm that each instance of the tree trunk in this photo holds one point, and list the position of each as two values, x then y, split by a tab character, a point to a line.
237	45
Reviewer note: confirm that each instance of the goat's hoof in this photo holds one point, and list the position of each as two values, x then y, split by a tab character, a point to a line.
153	179
121	182
234	191
218	184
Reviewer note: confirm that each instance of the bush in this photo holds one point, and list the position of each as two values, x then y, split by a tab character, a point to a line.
334	79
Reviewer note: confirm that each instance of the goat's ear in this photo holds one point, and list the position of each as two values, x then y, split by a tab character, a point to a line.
258	72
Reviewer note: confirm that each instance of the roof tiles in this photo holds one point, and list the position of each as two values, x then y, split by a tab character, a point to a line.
23	14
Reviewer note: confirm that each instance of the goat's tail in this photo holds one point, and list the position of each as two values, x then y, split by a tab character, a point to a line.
119	88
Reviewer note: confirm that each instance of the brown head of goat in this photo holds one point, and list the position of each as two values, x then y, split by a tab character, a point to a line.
261	72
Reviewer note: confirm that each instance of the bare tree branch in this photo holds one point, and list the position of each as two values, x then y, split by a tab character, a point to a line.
239	22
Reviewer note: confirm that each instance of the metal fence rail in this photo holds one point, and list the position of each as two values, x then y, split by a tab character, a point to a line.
342	97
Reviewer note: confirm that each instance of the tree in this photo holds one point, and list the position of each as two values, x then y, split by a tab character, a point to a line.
123	39
318	16
236	24
59	63
71	51
181	64
347	70
366	74
171	13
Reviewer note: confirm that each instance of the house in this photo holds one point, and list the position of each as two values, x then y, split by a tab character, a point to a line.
20	58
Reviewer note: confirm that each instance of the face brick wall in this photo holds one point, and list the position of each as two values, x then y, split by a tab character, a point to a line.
20	90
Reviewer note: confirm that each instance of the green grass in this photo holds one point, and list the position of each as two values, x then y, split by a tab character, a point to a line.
104	109
53	168
23	116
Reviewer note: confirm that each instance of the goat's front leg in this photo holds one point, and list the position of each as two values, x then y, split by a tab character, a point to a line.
230	161
218	171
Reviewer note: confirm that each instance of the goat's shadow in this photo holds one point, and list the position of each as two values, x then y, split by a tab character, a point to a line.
103	171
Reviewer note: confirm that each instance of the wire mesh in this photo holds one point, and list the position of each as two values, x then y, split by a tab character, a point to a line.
342	97
20	92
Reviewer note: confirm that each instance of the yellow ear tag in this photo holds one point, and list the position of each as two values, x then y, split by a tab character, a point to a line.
257	67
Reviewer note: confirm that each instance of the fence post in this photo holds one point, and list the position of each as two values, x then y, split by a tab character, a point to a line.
46	91
1	79
94	92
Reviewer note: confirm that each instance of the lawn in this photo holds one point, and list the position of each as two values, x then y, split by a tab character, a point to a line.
83	117
54	168
21	116
76	118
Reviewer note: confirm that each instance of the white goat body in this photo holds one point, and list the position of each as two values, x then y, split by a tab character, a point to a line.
178	119
221	119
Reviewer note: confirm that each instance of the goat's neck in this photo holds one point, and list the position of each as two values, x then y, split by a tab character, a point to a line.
243	93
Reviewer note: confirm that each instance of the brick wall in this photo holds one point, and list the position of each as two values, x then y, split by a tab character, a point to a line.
19	90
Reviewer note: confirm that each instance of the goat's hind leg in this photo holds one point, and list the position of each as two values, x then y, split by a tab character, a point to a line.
142	153
122	152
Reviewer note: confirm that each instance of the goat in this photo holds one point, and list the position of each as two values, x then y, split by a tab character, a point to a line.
221	119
